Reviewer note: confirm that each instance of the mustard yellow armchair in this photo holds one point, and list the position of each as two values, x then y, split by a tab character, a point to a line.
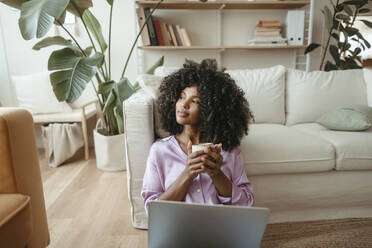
23	219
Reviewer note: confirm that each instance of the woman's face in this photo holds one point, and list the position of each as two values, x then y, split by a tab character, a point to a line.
188	107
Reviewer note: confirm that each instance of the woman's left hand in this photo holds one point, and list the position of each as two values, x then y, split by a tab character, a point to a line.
212	160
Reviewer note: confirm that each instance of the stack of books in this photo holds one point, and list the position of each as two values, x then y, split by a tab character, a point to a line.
159	33
268	32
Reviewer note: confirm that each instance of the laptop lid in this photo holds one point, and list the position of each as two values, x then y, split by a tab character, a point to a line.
180	224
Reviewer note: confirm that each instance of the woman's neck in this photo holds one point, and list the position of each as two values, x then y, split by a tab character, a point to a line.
189	133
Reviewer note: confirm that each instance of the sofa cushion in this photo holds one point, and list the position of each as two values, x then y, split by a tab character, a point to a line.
368	78
279	149
312	94
264	90
35	93
15	220
353	149
163	71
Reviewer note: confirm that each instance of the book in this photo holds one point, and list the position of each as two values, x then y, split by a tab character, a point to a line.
151	28
178	35
165	34
269	23
141	20
272	33
158	32
268	40
178	27
185	37
171	31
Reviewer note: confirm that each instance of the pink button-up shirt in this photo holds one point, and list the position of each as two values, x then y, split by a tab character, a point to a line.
166	162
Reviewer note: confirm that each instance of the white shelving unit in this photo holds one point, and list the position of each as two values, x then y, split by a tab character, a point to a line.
298	59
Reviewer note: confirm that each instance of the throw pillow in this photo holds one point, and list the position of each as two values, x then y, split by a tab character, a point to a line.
35	93
354	118
150	84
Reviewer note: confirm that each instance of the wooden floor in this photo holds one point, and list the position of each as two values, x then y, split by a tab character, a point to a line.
87	207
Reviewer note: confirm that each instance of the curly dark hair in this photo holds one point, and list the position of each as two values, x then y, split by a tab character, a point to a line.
224	111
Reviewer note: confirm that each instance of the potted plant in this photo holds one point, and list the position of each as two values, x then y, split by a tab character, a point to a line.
74	66
341	33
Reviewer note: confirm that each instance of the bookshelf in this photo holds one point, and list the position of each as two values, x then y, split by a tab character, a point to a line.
298	60
216	47
227	5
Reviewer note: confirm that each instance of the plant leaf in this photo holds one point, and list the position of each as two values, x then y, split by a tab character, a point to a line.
74	73
334	35
367	23
357	51
343	17
360	36
335	54
110	102
311	47
105	88
88	50
82	5
363	11
329	66
119	119
348	10
111	2
94	27
37	16
50	41
351	31
158	63
125	90
339	7
355	2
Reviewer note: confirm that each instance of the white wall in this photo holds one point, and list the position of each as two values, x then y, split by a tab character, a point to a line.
21	59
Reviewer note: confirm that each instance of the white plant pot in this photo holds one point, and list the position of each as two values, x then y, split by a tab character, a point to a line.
110	151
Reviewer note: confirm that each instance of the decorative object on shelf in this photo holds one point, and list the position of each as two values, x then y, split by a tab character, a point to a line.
268	33
74	66
339	23
295	27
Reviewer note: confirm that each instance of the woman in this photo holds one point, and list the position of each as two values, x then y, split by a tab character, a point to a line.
199	104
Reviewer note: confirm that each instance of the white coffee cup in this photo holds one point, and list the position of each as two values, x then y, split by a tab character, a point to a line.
201	146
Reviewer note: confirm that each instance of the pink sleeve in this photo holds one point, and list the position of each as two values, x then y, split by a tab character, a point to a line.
152	187
242	190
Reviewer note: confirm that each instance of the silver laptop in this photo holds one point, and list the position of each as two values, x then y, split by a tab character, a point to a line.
179	224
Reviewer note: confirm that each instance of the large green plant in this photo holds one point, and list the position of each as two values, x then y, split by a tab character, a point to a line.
73	66
340	33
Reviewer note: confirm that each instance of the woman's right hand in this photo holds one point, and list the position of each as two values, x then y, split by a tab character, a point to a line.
194	162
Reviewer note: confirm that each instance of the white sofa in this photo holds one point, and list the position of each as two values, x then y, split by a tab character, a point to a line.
299	169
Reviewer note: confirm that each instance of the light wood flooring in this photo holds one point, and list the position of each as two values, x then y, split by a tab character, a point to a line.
87	207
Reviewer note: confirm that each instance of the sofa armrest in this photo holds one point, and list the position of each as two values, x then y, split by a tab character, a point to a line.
139	136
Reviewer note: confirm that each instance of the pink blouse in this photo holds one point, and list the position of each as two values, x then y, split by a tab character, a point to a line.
167	160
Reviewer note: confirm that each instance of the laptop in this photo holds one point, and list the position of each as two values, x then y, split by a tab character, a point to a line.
179	224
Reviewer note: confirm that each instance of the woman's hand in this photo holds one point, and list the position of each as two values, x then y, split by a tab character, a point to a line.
212	160
194	162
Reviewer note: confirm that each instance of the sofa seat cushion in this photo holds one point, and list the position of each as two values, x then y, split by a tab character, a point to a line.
15	220
74	116
278	149
353	149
